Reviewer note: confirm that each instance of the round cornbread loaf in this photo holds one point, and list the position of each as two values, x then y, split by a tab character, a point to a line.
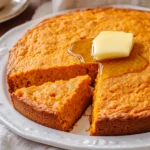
121	103
41	54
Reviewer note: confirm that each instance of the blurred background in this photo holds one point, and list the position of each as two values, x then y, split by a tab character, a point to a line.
16	12
22	18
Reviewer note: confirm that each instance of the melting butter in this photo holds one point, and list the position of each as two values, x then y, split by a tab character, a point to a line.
109	68
112	45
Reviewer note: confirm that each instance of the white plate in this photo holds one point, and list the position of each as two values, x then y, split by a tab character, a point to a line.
78	138
12	9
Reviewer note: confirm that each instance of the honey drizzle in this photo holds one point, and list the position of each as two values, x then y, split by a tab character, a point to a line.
111	68
82	50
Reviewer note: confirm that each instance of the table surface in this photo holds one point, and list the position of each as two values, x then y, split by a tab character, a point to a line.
22	18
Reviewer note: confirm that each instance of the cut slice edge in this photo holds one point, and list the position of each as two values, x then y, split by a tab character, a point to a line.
57	104
111	116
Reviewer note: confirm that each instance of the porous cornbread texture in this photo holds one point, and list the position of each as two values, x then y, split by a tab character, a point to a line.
121	103
57	105
41	54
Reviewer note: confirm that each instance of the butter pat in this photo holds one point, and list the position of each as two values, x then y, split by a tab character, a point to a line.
112	44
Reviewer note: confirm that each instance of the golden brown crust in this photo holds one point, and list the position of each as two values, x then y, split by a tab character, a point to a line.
40	117
57	105
121	104
119	126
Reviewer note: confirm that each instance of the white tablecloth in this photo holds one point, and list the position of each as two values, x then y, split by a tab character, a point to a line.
11	141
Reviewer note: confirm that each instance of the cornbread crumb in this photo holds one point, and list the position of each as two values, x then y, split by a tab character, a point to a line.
41	54
57	105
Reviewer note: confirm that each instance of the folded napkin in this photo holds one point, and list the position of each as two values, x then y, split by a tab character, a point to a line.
9	140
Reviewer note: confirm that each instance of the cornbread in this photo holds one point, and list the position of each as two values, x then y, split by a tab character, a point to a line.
41	54
121	100
57	105
121	105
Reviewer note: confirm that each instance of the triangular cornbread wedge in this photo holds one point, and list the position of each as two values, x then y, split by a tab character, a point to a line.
121	105
57	105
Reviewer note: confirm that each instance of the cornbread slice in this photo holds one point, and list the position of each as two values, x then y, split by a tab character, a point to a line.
57	105
121	104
